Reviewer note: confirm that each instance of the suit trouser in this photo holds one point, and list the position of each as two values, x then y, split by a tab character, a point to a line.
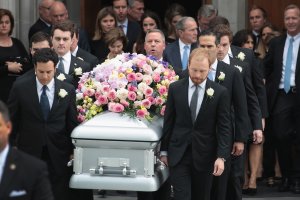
269	152
285	120
187	182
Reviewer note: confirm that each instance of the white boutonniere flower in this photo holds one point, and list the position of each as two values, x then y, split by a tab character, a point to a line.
221	77
62	93
61	77
78	71
241	56
239	67
210	92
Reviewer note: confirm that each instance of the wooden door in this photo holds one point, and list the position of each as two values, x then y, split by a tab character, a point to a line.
274	8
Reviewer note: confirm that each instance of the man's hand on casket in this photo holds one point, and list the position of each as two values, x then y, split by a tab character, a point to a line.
164	159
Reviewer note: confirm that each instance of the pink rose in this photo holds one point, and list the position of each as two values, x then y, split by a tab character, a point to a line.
112	95
141	113
159	101
105	88
162	111
102	99
131	88
148	91
139	77
151	99
131	77
124	103
146	103
80	118
111	106
118	108
90	92
156	77
162	90
131	96
97	94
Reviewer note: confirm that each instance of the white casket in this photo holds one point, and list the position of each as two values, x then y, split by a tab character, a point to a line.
116	152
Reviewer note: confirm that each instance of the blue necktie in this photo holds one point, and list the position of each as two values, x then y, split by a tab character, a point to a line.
288	67
185	57
61	65
44	102
211	74
194	102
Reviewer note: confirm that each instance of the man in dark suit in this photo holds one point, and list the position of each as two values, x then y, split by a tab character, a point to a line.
21	176
177	53
131	29
44	114
197	131
236	174
73	67
58	14
44	21
81	53
282	65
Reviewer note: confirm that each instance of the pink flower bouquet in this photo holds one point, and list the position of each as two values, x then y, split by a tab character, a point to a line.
133	84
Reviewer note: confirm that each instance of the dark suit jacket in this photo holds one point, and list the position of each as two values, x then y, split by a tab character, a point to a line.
254	112
234	83
31	132
172	56
133	32
24	176
209	136
257	71
273	66
39	25
87	57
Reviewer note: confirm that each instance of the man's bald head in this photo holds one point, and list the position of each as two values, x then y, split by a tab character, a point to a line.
58	12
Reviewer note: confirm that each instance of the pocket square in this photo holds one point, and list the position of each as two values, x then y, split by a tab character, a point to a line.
17	193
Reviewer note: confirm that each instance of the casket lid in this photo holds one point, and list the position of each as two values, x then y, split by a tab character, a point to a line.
120	127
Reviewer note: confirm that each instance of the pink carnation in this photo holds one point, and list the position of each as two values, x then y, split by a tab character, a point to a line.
131	96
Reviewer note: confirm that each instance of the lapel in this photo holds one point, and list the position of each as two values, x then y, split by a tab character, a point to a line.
176	55
32	89
72	64
9	172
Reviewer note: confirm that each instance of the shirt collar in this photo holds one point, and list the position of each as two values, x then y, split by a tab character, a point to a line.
75	51
226	59
295	37
181	44
40	86
67	56
191	83
125	23
230	52
214	65
3	156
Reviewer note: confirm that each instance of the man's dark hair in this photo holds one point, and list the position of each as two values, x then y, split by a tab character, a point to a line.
209	32
64	26
40	37
4	111
45	55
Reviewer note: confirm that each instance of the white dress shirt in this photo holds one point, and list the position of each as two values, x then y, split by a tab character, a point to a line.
49	91
201	90
3	156
294	61
181	48
66	61
226	59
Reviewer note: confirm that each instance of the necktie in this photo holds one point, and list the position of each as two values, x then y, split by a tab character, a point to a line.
61	65
185	57
122	27
211	74
44	102
194	102
288	67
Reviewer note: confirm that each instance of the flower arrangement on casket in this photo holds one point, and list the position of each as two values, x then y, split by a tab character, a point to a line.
133	84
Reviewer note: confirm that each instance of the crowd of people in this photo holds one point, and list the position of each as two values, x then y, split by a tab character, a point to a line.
232	118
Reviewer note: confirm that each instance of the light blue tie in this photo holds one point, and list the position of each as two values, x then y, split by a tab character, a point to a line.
61	66
211	74
185	57
288	67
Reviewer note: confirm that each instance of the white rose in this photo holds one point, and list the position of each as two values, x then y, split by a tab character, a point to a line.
122	93
221	77
210	92
240	68
241	56
78	71
79	96
61	77
62	93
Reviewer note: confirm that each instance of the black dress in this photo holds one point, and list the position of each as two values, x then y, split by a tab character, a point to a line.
99	49
14	53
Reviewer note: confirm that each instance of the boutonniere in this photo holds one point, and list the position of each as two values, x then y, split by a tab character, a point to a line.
210	92
62	93
61	77
241	56
78	71
221	77
239	67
